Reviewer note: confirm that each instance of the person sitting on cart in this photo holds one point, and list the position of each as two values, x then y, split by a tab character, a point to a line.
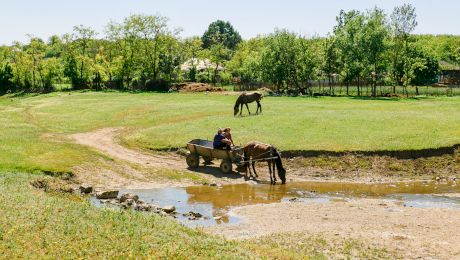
220	142
228	135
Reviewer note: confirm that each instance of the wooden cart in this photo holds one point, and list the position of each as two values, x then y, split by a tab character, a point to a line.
204	149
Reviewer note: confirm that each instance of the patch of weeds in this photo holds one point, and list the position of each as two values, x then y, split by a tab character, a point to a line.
50	184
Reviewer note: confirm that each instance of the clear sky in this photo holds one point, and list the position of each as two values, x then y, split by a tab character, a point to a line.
44	18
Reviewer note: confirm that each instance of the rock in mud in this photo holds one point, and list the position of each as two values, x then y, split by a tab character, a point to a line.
86	188
145	207
108	194
130	202
194	215
169	209
128	196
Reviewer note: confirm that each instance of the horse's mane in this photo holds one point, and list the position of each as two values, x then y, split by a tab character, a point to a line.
278	161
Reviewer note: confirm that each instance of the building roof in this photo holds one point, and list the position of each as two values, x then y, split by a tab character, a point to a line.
444	65
200	64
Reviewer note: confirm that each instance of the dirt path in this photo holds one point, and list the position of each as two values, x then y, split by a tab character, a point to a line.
411	232
132	169
105	140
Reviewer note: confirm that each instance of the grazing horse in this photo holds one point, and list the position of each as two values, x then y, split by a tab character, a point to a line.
264	152
244	99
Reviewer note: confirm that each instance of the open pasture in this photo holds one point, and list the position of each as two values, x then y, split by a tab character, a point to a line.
34	128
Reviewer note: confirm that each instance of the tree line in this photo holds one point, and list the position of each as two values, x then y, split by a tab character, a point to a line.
142	52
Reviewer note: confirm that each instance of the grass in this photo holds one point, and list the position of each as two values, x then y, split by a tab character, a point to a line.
37	224
34	127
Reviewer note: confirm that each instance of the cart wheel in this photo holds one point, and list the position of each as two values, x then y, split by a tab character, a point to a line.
193	160
226	166
207	160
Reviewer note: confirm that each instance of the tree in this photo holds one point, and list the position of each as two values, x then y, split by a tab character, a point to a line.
350	40
330	62
220	32
245	64
287	62
139	40
6	71
374	37
80	53
170	58
403	23
218	54
424	68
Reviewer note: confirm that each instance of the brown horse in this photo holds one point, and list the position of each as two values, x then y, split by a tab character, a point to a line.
245	99
264	152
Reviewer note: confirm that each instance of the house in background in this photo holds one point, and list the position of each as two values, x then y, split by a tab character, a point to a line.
201	65
449	73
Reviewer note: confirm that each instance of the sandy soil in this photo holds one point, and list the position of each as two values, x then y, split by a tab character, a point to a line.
411	232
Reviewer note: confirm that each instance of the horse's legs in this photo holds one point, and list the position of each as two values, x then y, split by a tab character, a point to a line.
270	171
248	167
241	109
274	175
254	168
258	107
248	108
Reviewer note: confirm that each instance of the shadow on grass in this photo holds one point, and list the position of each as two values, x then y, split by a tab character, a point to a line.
389	98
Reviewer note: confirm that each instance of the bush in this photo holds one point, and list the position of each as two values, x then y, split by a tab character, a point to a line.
160	85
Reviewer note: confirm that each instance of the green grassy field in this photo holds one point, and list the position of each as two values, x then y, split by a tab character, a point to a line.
34	127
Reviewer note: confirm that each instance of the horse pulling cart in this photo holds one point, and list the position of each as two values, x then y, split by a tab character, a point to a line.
204	149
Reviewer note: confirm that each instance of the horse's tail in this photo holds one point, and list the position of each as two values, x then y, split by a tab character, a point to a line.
279	166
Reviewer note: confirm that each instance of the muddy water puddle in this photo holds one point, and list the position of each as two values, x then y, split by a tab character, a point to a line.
214	203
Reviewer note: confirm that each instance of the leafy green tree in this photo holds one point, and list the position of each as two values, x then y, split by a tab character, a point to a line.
331	60
403	22
6	71
277	59
80	49
350	40
245	64
170	58
306	65
220	32
374	40
424	68
287	62
218	54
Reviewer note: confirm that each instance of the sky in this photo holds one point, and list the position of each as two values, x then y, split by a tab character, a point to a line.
44	18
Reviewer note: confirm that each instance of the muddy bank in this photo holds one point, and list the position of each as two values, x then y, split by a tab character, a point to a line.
412	232
372	168
401	154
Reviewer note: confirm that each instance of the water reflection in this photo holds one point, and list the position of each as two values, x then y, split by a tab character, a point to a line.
215	202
